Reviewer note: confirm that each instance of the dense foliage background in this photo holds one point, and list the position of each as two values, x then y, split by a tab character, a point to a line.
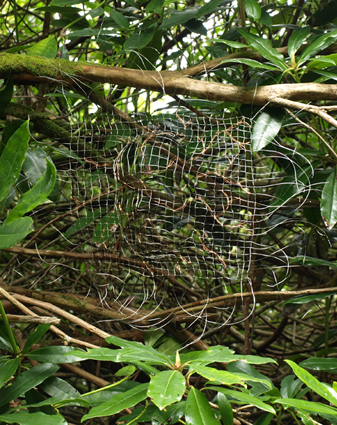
168	177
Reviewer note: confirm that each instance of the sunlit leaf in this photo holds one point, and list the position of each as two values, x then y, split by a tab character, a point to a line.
265	129
198	410
296	40
318	45
307	405
57	354
252	9
46	48
166	388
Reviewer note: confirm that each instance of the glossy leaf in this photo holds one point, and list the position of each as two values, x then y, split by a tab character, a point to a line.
35	418
264	419
320	364
25	381
46	48
207	8
118	402
252	63
82	223
290	386
57	354
252	9
6	94
296	40
329	201
14	232
175	412
307	405
311	261
309	298
265	129
241	366
35	164
264	47
8	367
57	387
119	18
154	6
324	390
245	398
198	410
35	336
140	39
226	378
36	195
318	45
225	409
12	159
166	388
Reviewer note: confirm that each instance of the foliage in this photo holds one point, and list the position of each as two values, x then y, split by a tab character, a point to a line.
82	133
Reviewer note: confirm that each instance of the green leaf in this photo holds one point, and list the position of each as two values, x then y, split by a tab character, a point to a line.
126	371
36	418
322	62
265	129
245	398
152	336
253	9
8	367
309	298
329	201
155	6
290	386
35	336
264	47
231	43
166	388
296	40
318	45
36	195
253	63
25	381
82	223
119	18
46	48
225	409
323	365
177	17
198	410
175	412
12	158
226	378
35	164
57	354
323	390
105	227
118	402
140	39
14	232
208	8
6	94
57	387
307	405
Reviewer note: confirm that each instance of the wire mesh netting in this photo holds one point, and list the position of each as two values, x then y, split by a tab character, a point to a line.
165	210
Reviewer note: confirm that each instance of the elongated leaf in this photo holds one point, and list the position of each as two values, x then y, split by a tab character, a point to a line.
36	195
227	378
57	354
173	413
311	261
296	40
14	232
7	369
264	47
6	94
57	387
207	8
154	6
308	298
198	411
105	227
253	63
35	164
25	381
118	402
35	418
166	388
323	365
12	159
245	398
35	337
318	45
177	17
82	223
252	9
139	40
329	201
265	129
241	366
307	405
46	48
119	18
324	390
225	409
290	386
